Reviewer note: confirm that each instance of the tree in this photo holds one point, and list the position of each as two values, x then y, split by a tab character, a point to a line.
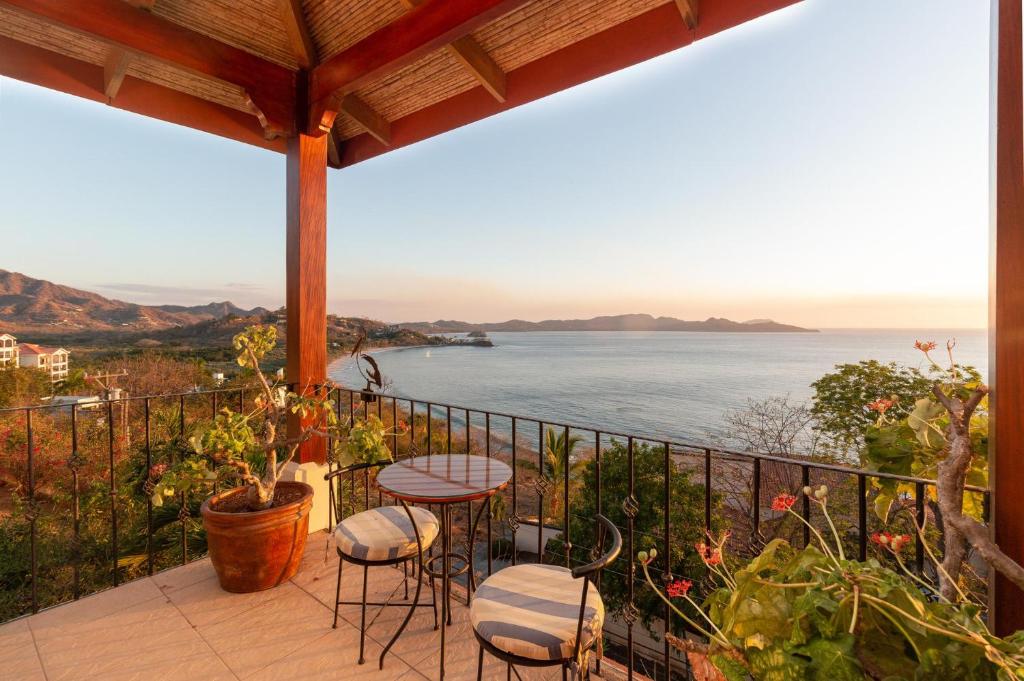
840	396
557	456
22	386
686	518
774	425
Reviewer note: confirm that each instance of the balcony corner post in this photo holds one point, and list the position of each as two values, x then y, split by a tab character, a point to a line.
306	265
1006	315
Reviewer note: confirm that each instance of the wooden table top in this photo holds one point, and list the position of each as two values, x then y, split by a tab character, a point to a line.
444	478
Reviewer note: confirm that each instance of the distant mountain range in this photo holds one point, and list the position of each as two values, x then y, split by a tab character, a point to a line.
622	322
35	305
42	307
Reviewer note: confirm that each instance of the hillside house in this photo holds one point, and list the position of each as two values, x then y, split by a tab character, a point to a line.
8	350
54	361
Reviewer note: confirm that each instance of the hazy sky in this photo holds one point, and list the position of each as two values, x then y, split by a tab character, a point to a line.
826	165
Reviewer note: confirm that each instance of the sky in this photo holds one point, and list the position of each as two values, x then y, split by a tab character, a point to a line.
826	165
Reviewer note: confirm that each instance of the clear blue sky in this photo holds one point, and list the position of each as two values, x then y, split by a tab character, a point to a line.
826	165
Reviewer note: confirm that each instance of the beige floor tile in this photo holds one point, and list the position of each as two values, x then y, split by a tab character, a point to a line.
205	603
151	635
205	667
333	656
18	656
92	608
179	578
260	636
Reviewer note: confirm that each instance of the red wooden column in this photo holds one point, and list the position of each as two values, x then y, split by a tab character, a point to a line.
306	256
1007	312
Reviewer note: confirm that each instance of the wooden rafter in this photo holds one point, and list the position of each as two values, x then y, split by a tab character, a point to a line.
55	71
270	86
298	32
114	70
688	10
333	149
430	26
368	119
475	59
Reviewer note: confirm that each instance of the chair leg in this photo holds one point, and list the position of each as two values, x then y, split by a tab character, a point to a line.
337	593
362	621
480	665
508	672
565	673
405	579
433	602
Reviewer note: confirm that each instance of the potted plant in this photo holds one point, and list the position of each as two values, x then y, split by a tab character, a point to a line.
256	529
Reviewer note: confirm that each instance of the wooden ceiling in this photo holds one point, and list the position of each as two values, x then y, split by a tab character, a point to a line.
373	74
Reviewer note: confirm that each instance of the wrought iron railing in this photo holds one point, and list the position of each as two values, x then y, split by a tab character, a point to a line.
76	515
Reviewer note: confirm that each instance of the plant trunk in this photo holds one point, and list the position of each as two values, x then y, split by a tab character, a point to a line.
951	478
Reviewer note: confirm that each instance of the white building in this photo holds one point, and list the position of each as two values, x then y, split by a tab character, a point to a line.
54	361
8	350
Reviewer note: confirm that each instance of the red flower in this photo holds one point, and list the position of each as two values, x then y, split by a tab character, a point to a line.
892	542
678	588
881	405
709	554
157	469
783	502
924	346
403	425
897	542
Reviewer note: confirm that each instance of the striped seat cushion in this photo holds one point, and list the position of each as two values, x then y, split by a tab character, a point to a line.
532	611
385	533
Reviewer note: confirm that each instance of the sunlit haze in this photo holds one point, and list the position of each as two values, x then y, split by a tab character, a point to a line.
826	166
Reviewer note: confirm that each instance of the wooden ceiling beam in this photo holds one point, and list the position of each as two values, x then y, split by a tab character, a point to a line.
271	87
427	27
55	71
368	119
475	59
298	32
688	10
114	70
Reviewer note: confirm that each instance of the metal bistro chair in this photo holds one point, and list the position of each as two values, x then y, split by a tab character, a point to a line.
528	615
377	537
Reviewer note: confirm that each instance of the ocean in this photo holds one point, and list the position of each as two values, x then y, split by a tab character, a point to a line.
655	384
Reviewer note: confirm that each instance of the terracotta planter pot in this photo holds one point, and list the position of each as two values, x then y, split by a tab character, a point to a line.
258	550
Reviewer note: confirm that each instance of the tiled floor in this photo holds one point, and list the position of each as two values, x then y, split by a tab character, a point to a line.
180	625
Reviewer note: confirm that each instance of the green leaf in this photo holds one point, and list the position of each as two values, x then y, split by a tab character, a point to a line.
730	668
774	664
832	659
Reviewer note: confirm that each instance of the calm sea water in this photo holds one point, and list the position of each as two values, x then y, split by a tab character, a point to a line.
659	384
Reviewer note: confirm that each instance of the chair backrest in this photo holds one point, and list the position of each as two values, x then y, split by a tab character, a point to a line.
605	526
336	487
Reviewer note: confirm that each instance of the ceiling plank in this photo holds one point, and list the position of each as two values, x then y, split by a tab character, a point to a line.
114	70
271	87
688	10
371	121
475	59
42	67
426	28
298	32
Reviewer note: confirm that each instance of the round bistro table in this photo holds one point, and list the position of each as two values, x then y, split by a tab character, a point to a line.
446	480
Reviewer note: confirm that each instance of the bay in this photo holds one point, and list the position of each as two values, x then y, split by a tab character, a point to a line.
655	384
